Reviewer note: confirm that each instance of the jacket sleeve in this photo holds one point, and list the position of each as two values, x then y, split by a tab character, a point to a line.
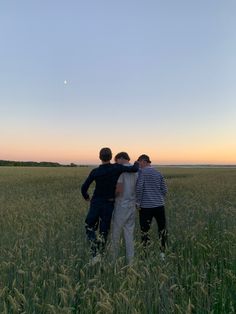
133	168
85	186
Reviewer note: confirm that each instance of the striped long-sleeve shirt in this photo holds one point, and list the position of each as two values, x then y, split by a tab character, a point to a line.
151	188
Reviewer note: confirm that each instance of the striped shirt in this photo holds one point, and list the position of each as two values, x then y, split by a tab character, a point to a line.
151	188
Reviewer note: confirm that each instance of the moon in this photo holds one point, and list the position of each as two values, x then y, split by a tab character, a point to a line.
65	82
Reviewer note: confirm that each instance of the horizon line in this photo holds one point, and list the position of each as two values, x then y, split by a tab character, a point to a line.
154	164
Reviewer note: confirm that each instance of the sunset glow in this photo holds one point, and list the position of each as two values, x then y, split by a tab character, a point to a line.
155	78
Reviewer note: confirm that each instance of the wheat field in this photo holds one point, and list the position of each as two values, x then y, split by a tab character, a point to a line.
44	256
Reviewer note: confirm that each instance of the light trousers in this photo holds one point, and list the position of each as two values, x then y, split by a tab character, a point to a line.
123	220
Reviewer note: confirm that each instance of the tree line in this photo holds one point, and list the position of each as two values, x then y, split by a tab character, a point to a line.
10	163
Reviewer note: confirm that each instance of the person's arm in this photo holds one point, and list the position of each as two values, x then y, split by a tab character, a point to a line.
133	168
163	186
86	184
139	189
119	186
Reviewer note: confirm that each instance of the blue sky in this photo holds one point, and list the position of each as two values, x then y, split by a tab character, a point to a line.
155	77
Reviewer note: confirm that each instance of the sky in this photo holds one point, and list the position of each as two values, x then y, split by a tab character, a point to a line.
155	77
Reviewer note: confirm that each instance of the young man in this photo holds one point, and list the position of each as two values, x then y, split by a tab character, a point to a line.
150	192
124	211
102	202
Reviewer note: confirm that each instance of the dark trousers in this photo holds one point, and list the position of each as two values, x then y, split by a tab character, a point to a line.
145	220
99	216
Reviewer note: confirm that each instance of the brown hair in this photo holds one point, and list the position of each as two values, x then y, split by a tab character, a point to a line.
105	154
145	158
122	155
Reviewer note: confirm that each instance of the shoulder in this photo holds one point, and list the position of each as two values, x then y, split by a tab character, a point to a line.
151	172
148	170
93	172
159	173
118	168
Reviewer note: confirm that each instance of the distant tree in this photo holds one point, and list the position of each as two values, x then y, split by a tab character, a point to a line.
73	165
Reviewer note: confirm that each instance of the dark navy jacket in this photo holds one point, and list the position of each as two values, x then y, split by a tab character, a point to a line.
105	177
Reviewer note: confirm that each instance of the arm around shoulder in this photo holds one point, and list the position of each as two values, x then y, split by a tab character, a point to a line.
133	168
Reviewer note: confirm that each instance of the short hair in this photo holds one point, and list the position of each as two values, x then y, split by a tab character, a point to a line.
105	154
144	158
122	155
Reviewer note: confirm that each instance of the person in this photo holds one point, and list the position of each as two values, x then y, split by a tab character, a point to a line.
102	201
150	197
124	211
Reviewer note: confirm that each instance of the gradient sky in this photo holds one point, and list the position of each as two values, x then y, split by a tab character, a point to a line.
155	77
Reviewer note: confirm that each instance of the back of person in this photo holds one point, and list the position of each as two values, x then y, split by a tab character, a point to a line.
150	193
124	211
105	177
128	195
152	189
102	202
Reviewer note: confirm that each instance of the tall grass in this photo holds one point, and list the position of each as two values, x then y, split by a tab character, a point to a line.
44	256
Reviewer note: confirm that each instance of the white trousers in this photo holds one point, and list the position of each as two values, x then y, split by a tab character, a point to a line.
123	219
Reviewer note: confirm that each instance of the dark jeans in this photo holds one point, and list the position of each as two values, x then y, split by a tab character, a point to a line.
145	220
99	216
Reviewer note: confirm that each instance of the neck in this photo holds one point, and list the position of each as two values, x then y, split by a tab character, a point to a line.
147	165
105	162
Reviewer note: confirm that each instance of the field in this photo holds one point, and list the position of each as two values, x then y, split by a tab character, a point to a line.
44	257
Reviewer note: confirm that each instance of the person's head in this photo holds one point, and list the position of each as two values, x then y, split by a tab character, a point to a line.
122	158
105	154
144	161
